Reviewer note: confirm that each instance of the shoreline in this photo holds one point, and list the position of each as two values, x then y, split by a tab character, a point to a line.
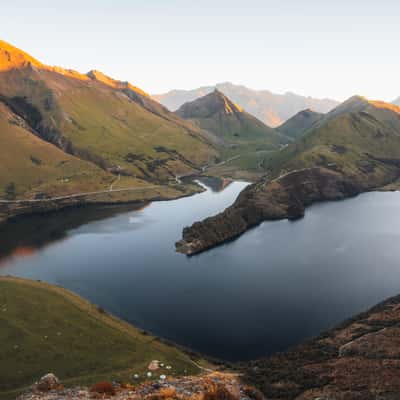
14	209
286	197
42	207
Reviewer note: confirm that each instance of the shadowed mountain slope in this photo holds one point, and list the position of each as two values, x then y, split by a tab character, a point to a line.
300	123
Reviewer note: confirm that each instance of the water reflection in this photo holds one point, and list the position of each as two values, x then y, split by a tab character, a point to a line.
24	235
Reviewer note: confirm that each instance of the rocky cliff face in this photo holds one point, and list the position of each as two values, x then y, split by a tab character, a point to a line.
359	360
284	197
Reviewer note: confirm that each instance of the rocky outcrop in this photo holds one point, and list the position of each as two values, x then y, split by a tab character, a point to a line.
47	382
213	386
358	360
284	197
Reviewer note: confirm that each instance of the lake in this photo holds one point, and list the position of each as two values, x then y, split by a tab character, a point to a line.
273	287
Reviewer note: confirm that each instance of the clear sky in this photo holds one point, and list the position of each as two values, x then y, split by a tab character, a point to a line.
312	47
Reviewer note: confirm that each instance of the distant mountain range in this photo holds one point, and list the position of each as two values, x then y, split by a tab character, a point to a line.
397	101
273	109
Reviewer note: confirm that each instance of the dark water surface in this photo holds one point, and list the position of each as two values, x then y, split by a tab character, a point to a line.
275	286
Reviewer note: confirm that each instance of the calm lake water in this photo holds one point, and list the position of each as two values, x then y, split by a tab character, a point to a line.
275	286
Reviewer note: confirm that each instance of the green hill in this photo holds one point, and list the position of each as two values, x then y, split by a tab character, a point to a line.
45	329
359	138
30	165
296	126
113	125
217	114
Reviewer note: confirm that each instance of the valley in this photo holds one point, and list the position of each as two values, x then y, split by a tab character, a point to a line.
283	210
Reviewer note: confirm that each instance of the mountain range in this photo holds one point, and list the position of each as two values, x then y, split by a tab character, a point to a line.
273	109
397	101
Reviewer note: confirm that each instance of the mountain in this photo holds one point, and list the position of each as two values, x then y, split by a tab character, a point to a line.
397	101
216	113
102	127
354	148
300	123
273	109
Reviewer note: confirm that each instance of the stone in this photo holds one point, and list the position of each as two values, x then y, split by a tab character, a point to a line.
48	382
154	365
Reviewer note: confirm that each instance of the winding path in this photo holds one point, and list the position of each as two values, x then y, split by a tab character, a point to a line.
70	196
114	182
111	188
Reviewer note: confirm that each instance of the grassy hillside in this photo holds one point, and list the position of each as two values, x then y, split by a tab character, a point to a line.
296	126
111	124
46	328
360	139
29	165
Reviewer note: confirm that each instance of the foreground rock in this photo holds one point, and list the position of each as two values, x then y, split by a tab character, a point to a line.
47	383
214	386
285	197
359	360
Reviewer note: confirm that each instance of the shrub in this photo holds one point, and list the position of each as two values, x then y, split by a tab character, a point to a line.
219	392
103	388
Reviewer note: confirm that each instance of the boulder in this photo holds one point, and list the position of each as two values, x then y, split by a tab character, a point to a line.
47	383
154	365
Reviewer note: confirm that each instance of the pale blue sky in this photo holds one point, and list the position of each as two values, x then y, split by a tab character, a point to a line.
318	48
